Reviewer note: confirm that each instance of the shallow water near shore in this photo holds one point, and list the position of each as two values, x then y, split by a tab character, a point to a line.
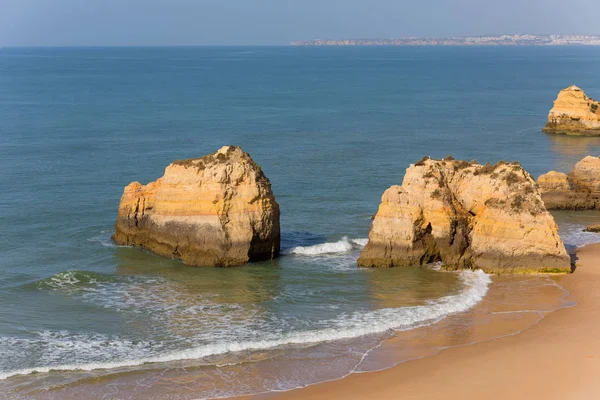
500	306
332	129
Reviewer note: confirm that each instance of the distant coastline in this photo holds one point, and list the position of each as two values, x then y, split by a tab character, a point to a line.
498	40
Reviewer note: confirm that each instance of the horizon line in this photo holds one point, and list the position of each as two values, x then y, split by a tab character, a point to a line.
290	43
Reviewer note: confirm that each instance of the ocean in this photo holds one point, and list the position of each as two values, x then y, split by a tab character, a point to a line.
332	128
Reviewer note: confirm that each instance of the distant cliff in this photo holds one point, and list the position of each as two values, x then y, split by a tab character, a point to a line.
498	40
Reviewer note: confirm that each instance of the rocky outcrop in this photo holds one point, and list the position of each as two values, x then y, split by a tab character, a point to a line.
592	228
574	114
466	215
558	192
578	190
217	210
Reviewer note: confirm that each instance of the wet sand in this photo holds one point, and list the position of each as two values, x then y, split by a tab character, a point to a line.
557	358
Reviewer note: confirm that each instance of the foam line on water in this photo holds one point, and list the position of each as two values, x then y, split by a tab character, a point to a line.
345	326
573	235
104	239
343	245
361	242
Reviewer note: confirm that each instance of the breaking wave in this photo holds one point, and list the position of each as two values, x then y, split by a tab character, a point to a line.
343	245
574	235
94	351
104	239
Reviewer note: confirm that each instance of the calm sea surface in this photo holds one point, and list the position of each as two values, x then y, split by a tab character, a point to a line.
331	127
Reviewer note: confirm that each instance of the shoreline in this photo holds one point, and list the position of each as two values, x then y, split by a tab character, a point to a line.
556	358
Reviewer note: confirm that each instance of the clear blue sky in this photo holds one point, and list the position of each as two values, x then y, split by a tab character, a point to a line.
256	22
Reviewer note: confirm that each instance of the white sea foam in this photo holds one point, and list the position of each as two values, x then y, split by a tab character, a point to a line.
436	266
362	242
104	239
345	326
573	235
343	245
63	279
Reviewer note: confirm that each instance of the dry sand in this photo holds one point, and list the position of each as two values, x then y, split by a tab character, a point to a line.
559	358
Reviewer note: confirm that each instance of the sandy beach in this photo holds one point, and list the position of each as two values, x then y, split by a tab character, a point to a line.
559	358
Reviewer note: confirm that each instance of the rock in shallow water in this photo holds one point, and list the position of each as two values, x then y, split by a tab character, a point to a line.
467	216
574	113
218	210
592	228
578	190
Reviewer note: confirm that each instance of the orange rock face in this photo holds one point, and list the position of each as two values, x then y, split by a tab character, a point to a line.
467	216
578	190
574	114
218	210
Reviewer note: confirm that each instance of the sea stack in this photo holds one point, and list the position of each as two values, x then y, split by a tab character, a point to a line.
218	210
574	114
577	190
466	215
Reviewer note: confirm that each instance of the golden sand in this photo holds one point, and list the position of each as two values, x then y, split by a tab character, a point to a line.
557	358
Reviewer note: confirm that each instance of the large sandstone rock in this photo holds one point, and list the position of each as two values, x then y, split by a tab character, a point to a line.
558	192
579	190
467	216
217	210
574	114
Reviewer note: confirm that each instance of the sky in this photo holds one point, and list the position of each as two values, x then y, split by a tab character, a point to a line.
278	22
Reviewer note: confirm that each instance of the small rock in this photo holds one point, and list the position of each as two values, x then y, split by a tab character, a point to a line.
592	228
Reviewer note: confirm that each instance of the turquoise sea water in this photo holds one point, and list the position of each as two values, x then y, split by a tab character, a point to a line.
331	127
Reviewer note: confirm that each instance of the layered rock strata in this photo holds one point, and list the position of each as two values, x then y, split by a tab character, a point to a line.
466	215
577	190
574	114
218	210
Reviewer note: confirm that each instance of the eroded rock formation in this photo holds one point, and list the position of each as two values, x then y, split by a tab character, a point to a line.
466	215
217	210
577	190
574	114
